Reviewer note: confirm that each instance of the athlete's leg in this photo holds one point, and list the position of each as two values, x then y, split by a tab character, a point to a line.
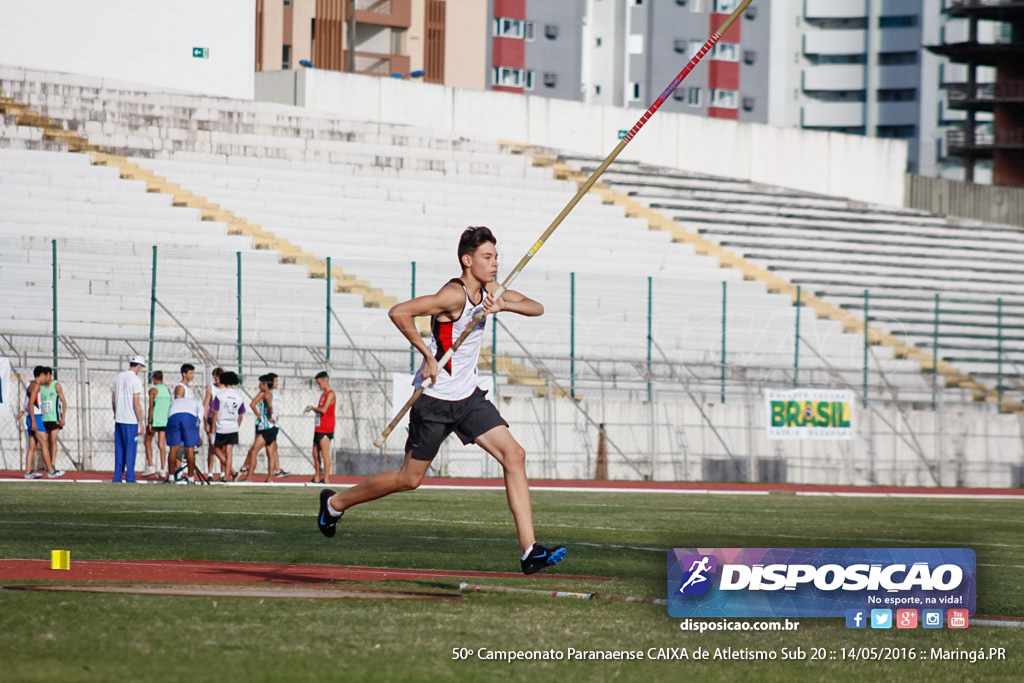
405	478
325	455
500	443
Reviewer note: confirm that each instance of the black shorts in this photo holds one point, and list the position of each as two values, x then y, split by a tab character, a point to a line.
158	429
230	439
269	435
431	420
51	426
317	436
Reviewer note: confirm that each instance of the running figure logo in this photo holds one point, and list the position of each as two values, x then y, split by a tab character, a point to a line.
696	581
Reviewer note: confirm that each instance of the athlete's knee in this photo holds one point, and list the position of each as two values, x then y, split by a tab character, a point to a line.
514	458
407	481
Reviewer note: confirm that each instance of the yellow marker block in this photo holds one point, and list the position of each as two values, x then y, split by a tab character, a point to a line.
60	559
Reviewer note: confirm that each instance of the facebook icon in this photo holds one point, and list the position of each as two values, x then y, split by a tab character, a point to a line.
856	618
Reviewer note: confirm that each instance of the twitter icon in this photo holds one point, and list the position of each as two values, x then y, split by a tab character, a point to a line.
881	618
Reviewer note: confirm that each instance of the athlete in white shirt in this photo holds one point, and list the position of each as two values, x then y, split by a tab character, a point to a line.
451	400
128	422
227	406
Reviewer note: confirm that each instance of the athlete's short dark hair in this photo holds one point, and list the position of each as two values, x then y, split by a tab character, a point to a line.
39	371
229	379
187	367
218	372
321	375
159	374
472	238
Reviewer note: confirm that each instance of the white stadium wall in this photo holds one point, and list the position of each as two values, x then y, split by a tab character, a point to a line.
861	168
143	42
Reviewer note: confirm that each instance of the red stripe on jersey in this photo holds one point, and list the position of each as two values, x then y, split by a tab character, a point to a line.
444	338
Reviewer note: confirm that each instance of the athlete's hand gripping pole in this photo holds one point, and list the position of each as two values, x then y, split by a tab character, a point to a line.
584	188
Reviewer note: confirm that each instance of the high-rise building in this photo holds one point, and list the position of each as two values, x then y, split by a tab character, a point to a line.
850	66
986	86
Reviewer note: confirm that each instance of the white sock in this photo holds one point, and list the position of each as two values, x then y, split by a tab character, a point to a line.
528	551
331	511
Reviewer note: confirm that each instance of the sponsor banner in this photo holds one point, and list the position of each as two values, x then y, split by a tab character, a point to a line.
809	414
817	582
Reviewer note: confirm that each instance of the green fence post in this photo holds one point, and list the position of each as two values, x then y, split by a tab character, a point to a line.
935	350
412	349
999	351
650	309
328	335
238	268
867	303
723	339
152	315
572	334
53	244
796	342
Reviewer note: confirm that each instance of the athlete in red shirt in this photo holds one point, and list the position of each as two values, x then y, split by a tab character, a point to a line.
323	433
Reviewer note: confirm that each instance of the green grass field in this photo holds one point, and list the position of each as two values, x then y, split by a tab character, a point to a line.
78	636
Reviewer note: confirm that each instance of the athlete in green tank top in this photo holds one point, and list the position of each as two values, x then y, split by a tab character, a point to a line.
48	401
161	404
160	398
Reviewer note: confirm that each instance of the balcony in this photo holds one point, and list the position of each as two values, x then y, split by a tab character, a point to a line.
376	64
985	141
985	96
998	10
833	115
835	9
834	77
835	42
394	13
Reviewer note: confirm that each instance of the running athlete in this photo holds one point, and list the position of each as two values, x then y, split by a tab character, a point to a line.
323	432
159	403
451	400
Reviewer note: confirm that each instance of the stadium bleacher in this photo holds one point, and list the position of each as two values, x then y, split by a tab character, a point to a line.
177	170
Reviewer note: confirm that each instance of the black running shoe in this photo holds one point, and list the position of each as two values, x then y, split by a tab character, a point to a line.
541	557
326	522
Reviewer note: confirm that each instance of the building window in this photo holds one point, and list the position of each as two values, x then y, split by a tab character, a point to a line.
551	31
749	56
512	78
286	57
897	95
597	42
900	132
287	3
748	104
891	58
693	96
725	6
509	28
597	90
529	29
695	46
634	91
902	21
550	80
727	52
723	99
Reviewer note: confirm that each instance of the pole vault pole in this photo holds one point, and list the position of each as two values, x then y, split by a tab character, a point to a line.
584	188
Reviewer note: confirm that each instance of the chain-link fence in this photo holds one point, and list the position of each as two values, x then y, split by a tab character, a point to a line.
670	425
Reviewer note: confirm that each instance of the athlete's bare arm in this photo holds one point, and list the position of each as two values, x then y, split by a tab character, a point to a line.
446	304
511	301
63	403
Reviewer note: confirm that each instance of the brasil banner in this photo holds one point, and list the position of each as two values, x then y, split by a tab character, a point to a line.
809	414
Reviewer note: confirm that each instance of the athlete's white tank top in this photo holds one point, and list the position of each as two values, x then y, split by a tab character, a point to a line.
457	379
187	388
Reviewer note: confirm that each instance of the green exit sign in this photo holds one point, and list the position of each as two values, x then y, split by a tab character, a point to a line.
201	52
